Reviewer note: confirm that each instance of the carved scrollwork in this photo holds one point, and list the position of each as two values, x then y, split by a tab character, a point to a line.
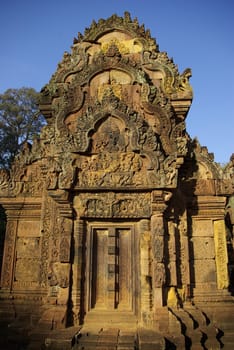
184	80
71	63
122	23
66	175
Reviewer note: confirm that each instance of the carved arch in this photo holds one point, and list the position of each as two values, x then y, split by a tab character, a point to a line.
109	134
72	96
206	167
90	126
206	170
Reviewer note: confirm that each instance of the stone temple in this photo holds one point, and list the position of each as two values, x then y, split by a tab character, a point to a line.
118	226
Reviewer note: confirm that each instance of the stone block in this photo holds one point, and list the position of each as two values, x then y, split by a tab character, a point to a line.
205	270
29	228
202	247
202	228
27	270
28	247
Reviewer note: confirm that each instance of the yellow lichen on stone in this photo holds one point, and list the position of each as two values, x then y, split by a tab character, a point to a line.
221	257
133	45
182	293
172	298
124	46
107	89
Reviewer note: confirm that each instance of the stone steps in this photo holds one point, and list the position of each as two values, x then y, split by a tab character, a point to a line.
192	336
110	318
196	327
188	328
212	335
148	340
126	340
105	339
115	339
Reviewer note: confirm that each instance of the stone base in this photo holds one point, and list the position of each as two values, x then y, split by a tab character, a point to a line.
201	295
205	325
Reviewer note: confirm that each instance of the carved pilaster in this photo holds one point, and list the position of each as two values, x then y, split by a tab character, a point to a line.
184	257
78	290
158	245
61	241
9	254
157	227
46	234
65	239
172	253
146	271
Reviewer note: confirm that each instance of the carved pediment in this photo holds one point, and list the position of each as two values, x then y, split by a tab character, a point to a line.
115	99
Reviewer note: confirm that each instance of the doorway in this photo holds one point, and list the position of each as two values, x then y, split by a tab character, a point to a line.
111	267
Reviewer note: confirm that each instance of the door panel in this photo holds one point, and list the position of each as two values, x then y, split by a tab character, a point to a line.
99	269
125	268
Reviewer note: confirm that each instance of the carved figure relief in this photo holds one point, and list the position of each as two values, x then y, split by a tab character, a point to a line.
59	275
113	205
109	137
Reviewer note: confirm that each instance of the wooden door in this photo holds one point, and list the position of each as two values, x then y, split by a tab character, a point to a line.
111	273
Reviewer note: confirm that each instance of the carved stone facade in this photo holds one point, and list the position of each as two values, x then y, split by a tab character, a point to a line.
115	218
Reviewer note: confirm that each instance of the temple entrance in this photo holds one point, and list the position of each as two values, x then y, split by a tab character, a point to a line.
111	267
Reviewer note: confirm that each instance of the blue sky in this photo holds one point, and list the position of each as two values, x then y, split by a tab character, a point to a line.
197	34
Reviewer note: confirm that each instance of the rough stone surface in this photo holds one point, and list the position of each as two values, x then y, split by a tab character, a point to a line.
119	227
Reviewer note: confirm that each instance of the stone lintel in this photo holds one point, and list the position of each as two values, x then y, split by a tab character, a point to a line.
21	208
